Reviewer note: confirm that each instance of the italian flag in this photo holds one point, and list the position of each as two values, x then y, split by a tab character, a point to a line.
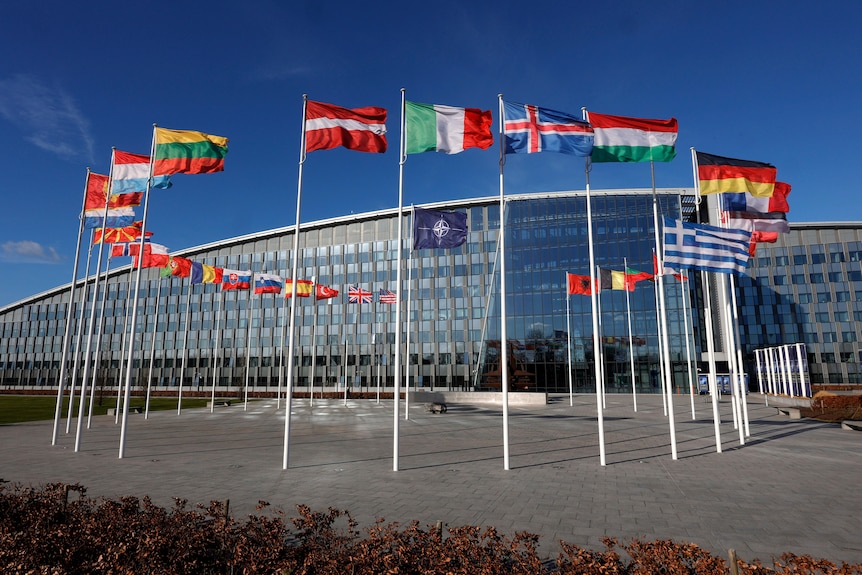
435	128
622	139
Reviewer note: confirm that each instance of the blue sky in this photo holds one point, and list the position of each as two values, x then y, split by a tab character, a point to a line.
770	81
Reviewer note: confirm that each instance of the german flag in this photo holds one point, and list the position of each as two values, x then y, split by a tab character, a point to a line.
719	175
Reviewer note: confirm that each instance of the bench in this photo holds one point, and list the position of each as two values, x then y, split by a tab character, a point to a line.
852	424
133	409
435	407
791	412
224	403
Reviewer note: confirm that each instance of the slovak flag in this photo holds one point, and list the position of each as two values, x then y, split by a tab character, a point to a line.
235	279
267	283
356	294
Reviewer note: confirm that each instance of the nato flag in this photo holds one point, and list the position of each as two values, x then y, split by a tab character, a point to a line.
436	229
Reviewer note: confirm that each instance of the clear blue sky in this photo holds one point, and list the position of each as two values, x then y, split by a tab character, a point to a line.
770	81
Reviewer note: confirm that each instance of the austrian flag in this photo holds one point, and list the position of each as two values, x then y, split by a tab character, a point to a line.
360	129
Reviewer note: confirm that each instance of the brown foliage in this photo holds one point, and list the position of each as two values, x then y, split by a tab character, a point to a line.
57	529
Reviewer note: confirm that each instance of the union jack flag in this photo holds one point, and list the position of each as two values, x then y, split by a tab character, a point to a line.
387	296
529	129
356	294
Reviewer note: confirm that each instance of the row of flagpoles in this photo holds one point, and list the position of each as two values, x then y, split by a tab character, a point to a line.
523	129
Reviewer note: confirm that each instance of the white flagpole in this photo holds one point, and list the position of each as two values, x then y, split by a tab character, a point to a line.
600	363
289	391
153	345
631	343
123	345
504	342
659	328
686	306
313	341
185	346
98	343
408	322
595	307
218	342
743	391
81	325
70	313
250	312
569	343
134	321
281	348
397	379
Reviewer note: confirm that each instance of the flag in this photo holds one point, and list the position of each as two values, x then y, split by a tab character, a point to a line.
204	274
578	284
634	276
131	172
267	283
324	292
97	189
705	248
771	222
622	139
119	250
118	218
717	175
436	128
529	129
356	294
155	256
125	234
613	280
188	152
745	202
360	129
180	267
666	271
436	229
235	280
303	288
387	296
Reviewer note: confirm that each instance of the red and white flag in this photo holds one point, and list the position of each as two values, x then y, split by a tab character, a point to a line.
360	129
324	292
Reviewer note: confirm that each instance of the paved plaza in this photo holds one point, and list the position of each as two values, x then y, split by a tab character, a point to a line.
790	488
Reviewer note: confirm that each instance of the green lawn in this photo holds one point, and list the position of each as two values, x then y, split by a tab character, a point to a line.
19	408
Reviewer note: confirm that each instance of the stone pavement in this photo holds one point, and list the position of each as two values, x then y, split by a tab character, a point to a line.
790	488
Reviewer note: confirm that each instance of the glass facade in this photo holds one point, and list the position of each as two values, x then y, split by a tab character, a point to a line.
804	288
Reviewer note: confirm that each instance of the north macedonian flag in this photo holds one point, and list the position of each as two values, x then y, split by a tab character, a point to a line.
718	175
188	152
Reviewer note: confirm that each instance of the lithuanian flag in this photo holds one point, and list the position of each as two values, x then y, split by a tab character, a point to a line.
718	175
188	152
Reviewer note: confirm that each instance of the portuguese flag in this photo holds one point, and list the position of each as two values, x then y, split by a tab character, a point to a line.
623	139
717	175
436	128
188	152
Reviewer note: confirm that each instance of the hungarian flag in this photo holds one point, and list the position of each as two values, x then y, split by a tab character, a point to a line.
303	288
622	139
188	152
360	129
718	175
436	128
235	280
578	284
324	292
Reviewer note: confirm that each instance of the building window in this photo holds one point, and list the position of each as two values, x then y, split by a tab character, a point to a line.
818	258
816	278
848	336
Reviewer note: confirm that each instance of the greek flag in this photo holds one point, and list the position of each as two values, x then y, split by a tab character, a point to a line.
705	248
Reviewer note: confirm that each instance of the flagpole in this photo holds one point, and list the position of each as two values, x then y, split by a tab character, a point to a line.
600	362
408	322
185	347
569	343
289	392
135	300
594	308
218	338
504	347
740	374
152	342
281	350
631	341
81	324
87	357
250	316
124	344
686	306
67	334
99	343
313	340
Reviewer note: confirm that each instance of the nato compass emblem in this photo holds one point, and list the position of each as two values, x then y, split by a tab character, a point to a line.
441	229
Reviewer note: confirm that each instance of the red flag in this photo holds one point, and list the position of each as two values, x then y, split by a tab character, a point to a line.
97	190
155	255
325	292
119	235
360	129
579	284
303	288
181	267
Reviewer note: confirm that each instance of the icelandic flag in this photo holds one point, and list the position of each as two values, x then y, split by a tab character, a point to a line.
705	248
529	129
267	283
235	279
131	172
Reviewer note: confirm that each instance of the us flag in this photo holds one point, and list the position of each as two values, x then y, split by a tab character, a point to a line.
387	296
356	294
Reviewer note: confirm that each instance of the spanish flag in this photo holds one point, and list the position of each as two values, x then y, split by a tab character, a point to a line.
188	152
719	175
